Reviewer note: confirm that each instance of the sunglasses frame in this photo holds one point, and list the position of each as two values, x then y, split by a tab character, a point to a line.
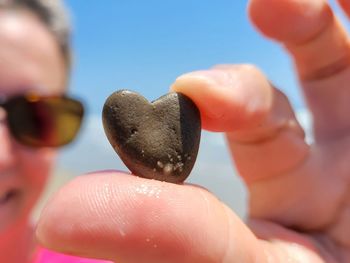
32	98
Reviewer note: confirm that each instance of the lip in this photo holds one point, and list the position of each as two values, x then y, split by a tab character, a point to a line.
10	198
8	182
9	208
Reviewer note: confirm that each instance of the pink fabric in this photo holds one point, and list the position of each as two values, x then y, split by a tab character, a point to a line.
47	256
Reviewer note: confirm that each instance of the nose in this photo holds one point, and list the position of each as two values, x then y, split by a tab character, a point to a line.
6	153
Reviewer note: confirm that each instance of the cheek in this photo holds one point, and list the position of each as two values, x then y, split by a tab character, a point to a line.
37	166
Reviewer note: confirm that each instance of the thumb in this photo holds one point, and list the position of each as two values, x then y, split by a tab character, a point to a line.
128	219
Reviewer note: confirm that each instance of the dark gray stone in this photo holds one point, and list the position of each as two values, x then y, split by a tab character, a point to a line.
157	140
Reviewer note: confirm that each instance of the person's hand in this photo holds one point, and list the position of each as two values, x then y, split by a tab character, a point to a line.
299	207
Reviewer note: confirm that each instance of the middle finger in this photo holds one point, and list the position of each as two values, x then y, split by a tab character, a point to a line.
319	46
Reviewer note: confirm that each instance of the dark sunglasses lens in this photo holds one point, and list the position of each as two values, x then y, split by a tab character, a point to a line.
44	122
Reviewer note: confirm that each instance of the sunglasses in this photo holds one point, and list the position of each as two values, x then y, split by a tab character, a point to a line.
43	121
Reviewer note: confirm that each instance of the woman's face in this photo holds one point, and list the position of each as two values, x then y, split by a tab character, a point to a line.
30	60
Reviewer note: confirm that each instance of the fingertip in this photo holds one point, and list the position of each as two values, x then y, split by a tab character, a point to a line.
111	216
199	86
290	21
61	221
229	97
345	4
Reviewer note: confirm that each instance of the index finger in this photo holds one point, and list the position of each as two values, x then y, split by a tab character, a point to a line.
346	6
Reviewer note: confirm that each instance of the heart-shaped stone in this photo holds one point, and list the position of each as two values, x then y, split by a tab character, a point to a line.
157	140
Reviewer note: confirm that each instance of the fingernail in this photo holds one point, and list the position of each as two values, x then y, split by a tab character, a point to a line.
216	77
201	85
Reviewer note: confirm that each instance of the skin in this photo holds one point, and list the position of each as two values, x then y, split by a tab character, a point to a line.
29	61
299	198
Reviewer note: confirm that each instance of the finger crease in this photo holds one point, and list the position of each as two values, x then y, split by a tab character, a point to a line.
330	70
288	125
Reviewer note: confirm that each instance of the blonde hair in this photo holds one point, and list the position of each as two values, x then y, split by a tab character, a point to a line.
54	16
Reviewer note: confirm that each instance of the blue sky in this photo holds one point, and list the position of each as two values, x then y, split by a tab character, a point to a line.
145	45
